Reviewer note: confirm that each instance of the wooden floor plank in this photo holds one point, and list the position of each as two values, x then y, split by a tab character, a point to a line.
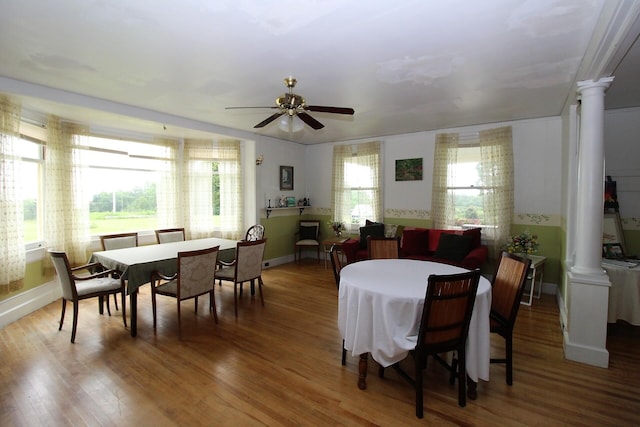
280	365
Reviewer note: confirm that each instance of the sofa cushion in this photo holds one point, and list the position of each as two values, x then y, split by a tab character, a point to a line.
374	229
393	230
453	247
415	242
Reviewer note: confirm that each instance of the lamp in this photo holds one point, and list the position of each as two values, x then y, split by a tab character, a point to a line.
287	124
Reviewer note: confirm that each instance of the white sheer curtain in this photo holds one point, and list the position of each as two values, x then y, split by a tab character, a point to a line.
442	202
66	201
12	253
198	176
168	198
496	152
356	169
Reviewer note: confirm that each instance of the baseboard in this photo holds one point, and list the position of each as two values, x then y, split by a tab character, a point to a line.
590	355
27	302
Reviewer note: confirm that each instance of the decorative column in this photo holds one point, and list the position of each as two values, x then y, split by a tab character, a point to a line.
588	296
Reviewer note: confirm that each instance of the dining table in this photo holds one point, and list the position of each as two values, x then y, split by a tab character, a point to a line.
136	264
380	304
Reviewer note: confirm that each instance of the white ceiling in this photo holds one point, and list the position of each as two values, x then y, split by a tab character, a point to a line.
403	65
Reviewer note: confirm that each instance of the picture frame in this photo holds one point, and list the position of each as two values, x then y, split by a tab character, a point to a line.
612	234
409	169
286	177
612	251
291	201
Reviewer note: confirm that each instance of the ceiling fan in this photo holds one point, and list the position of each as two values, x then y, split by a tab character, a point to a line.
292	104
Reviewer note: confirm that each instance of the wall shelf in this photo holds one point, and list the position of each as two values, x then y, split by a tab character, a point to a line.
268	210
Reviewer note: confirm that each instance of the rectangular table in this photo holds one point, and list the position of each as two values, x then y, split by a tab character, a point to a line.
624	293
380	305
137	263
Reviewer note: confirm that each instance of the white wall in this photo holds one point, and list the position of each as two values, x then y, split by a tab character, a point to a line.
537	161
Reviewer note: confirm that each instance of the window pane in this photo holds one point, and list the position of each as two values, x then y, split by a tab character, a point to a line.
30	180
468	207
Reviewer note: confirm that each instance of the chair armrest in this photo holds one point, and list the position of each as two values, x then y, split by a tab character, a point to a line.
156	275
226	264
95	275
92	265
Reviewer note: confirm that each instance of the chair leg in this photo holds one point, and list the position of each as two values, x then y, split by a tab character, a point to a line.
462	374
235	299
64	307
509	357
196	302
260	289
419	396
75	321
153	304
212	304
124	306
115	300
344	354
179	323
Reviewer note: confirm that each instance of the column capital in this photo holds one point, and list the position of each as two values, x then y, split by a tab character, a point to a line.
590	84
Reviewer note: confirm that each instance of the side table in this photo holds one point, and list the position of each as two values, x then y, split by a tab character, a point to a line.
327	243
535	269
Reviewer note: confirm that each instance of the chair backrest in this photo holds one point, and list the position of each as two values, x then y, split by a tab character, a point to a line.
507	287
336	263
168	235
383	247
119	241
309	230
196	271
448	305
249	256
255	232
65	277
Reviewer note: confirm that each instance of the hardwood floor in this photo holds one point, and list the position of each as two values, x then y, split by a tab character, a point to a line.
280	365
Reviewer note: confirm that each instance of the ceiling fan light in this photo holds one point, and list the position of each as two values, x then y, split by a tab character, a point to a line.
289	124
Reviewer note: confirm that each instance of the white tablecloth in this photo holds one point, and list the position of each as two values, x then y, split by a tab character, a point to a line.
380	305
624	294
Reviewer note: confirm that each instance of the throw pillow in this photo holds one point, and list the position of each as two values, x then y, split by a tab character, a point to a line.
307	232
453	247
375	230
393	230
415	242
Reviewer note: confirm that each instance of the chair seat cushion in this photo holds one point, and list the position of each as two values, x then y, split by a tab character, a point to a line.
100	284
228	273
168	288
307	242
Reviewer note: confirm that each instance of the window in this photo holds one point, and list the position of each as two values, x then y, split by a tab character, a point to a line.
473	183
31	188
357	184
123	181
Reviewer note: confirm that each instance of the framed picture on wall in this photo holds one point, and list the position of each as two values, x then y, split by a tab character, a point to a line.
286	177
409	170
612	237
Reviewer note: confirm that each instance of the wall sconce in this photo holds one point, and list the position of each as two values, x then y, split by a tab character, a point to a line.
259	160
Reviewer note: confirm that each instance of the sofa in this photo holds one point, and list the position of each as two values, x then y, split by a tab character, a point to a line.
463	248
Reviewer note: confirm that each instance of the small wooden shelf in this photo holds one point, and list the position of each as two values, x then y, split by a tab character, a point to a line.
268	210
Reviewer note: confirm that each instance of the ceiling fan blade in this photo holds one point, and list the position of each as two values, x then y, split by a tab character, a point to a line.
337	110
268	120
310	120
237	108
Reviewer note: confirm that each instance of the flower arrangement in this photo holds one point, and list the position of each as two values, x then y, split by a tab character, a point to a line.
525	243
338	227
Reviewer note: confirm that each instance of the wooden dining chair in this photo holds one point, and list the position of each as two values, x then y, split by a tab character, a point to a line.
247	267
307	236
195	277
383	247
444	325
506	292
168	235
336	263
255	232
118	241
76	287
